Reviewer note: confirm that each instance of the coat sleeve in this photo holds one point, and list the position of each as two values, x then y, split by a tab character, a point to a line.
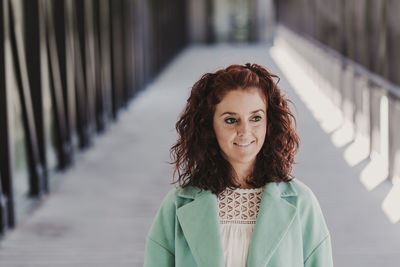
160	241
321	256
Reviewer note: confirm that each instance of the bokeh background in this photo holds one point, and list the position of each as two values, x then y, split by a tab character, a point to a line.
90	91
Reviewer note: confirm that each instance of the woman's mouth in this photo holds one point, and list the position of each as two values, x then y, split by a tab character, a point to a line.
246	144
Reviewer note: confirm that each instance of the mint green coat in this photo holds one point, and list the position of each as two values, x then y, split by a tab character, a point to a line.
290	230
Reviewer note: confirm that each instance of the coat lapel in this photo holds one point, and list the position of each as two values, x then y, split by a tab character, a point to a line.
200	225
273	221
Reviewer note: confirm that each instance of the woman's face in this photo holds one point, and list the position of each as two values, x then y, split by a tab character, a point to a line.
240	125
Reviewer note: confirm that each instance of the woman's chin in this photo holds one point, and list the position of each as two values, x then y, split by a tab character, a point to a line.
248	159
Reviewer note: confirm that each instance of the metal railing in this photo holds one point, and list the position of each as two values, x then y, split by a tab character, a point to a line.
369	102
67	68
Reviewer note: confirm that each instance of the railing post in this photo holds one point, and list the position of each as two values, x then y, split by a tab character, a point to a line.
361	97
394	139
347	90
6	187
377	122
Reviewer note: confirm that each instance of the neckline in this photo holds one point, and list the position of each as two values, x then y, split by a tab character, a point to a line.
245	190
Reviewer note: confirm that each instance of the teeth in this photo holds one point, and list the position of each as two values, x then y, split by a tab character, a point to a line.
243	144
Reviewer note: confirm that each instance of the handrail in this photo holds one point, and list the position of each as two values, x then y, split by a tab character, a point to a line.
383	109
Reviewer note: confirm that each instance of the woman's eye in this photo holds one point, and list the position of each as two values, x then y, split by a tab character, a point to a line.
230	120
257	118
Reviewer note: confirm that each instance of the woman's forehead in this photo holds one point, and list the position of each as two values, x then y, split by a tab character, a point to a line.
242	101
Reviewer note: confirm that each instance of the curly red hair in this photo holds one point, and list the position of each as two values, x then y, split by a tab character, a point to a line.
196	154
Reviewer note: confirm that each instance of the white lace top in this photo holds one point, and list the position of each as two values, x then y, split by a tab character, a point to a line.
238	211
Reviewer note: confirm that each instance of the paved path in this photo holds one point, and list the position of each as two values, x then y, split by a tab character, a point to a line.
100	213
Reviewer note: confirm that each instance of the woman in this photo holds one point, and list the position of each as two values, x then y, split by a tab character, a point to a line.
237	203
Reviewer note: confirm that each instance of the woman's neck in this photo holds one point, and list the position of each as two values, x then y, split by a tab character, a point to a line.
243	172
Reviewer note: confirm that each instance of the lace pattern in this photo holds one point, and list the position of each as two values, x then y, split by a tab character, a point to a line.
239	206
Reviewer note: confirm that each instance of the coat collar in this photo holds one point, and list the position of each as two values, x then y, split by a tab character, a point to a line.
200	224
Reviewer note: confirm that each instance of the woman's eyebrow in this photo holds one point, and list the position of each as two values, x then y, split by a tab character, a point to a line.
255	111
233	113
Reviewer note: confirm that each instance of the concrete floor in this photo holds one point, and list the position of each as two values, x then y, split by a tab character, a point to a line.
100	213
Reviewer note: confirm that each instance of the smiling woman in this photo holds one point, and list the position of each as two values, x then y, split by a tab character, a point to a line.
240	130
219	106
237	203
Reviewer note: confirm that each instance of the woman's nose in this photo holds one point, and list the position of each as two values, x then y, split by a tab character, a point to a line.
243	128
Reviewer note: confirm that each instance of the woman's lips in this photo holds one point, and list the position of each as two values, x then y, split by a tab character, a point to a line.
243	145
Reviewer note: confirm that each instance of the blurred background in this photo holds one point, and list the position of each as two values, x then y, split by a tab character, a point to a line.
90	91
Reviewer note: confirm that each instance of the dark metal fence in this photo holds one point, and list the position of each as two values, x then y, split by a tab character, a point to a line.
366	31
67	68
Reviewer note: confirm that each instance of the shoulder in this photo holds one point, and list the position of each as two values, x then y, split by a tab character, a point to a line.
164	222
309	210
301	193
305	196
301	188
308	206
171	197
162	228
175	198
316	236
301	196
177	195
169	203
